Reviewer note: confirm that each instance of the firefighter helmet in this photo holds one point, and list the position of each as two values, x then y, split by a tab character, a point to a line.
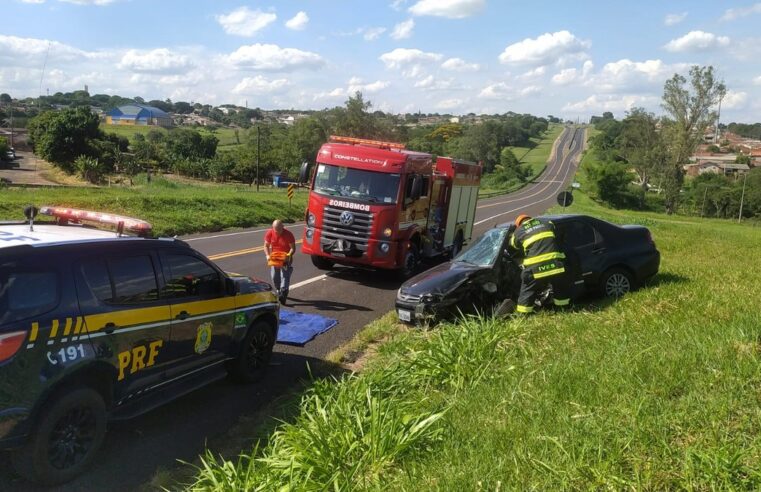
521	219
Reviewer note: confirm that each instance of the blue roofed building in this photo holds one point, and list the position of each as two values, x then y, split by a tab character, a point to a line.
138	114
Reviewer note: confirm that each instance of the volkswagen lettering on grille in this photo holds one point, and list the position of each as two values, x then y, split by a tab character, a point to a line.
346	218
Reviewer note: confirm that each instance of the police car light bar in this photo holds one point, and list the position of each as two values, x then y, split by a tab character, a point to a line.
362	141
138	226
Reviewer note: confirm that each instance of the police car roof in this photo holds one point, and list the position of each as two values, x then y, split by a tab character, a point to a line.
46	235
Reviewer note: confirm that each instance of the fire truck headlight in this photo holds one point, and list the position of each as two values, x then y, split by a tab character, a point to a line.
311	219
310	234
384	247
387	232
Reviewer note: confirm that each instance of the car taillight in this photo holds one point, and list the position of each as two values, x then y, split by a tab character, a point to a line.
10	343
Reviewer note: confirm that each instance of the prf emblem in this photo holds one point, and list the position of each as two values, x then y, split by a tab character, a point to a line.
203	338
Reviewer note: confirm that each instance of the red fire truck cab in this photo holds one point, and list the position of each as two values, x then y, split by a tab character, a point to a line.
378	205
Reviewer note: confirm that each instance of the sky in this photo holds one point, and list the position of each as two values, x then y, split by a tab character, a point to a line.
566	58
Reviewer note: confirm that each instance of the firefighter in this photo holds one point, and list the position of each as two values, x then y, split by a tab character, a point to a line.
543	263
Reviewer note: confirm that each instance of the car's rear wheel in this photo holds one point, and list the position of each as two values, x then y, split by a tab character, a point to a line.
67	437
255	354
616	282
321	263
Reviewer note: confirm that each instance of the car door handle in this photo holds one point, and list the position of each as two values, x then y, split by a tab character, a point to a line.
598	251
183	315
109	327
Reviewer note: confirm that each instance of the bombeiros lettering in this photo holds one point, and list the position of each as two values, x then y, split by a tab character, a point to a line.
350	205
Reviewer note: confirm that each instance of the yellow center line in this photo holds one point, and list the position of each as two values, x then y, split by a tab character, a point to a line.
240	252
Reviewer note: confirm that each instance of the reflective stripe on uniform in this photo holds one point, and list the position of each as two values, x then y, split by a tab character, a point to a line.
524	309
561	302
549	273
542	258
512	241
537	237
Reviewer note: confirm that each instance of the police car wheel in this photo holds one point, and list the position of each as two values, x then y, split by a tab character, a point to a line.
255	354
66	438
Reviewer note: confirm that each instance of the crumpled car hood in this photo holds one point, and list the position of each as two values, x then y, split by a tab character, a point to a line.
441	279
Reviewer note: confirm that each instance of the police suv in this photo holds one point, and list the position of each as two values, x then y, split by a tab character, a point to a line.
98	326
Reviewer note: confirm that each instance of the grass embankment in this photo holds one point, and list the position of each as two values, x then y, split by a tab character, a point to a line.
534	155
657	391
170	207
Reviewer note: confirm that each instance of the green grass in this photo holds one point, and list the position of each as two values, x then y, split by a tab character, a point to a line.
657	391
226	136
170	207
535	156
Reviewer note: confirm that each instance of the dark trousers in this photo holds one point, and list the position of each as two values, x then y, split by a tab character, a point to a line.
531	287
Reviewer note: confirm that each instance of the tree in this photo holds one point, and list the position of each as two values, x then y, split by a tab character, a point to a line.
62	136
743	159
609	181
642	146
689	113
355	120
4	147
5	98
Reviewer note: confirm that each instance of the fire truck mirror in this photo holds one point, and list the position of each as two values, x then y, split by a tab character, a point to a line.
417	188
304	172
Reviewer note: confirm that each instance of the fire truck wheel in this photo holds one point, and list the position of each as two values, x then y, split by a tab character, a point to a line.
321	263
411	260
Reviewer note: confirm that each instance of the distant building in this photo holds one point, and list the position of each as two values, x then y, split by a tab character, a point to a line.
715	168
138	114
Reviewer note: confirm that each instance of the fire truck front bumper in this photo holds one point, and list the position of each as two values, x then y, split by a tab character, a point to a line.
350	250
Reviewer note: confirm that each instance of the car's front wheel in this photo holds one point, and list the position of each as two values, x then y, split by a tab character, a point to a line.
67	437
255	354
616	282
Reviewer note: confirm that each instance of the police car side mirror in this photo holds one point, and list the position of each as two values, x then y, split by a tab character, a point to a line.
230	287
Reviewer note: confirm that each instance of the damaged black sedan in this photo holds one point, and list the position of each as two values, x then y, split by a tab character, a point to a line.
603	258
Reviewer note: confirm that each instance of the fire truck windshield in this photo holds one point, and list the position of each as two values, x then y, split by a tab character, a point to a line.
356	183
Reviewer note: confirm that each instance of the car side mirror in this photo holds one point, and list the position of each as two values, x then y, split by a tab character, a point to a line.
231	288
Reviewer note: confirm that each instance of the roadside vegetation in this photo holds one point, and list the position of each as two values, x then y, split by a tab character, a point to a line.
655	391
171	208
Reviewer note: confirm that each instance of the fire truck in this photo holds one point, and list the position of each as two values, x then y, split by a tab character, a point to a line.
378	205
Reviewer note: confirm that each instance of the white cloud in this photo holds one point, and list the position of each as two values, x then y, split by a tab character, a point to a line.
734	100
452	9
697	41
448	104
548	48
373	33
403	30
459	65
674	19
757	80
533	73
398	4
613	103
298	22
160	60
736	13
431	83
570	75
629	76
410	61
354	85
271	57
245	22
531	90
500	90
31	51
259	86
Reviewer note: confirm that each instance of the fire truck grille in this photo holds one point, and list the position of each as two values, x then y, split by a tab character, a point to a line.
349	225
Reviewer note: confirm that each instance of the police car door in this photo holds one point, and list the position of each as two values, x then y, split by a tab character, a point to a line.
127	321
203	313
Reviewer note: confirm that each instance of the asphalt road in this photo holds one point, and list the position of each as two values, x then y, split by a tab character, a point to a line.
135	450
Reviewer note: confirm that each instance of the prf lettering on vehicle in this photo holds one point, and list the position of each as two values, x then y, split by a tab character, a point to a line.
135	359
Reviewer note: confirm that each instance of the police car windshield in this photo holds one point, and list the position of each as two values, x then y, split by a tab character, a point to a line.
356	183
485	250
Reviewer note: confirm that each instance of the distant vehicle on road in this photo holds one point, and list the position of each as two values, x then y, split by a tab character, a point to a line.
98	326
10	155
378	205
603	258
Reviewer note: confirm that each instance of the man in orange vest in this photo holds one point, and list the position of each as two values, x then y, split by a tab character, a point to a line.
279	246
543	263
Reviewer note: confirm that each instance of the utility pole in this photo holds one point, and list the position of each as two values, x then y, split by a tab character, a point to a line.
742	198
703	207
258	148
718	120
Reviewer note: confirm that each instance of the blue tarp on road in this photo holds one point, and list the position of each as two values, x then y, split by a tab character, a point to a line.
298	328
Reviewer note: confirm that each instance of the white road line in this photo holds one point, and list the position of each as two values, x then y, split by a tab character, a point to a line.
568	168
233	233
308	281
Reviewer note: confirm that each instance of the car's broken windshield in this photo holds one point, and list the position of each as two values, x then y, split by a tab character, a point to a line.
485	250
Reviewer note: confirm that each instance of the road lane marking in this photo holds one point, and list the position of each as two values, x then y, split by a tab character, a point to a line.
565	177
239	252
308	281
